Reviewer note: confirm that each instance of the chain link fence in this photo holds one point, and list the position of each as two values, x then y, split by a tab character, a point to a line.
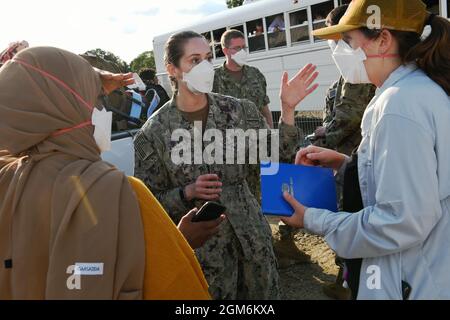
308	121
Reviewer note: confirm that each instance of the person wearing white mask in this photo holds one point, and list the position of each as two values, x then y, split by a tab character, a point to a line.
345	104
399	236
238	262
237	79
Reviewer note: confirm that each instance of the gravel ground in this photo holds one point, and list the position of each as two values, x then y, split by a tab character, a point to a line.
303	281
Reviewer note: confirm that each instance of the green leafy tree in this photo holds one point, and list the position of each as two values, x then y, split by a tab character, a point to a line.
234	3
110	57
144	60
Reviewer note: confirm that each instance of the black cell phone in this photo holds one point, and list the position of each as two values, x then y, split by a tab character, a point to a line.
210	211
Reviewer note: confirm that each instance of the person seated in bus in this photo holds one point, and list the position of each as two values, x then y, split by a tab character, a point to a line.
239	262
148	75
256	41
259	29
277	24
396	243
63	209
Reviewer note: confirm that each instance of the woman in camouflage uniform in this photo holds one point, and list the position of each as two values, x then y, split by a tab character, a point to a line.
238	262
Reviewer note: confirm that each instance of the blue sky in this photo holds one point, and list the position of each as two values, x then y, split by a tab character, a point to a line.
123	27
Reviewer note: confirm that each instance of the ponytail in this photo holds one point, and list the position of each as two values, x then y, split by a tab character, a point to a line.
432	55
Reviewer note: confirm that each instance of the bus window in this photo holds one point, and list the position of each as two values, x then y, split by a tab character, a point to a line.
255	35
217	34
207	36
319	14
299	26
432	6
276	31
342	2
239	28
448	9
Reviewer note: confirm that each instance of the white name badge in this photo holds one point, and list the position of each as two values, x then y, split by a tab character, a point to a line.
89	269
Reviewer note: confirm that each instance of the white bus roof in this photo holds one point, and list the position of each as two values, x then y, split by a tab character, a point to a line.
240	15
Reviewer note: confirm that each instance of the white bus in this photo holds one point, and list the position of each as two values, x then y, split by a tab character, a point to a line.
271	53
275	51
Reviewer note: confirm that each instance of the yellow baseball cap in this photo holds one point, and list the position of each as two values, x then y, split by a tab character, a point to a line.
401	15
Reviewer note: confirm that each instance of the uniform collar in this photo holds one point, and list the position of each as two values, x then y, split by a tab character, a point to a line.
227	71
213	109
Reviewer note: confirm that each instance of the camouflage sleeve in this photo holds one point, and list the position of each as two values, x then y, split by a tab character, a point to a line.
150	168
266	100
348	113
216	82
329	102
290	136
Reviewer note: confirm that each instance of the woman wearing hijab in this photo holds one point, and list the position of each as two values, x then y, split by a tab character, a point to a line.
71	225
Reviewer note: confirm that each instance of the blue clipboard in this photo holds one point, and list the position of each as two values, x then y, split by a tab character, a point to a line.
314	187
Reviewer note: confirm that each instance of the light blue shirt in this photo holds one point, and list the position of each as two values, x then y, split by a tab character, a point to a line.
403	234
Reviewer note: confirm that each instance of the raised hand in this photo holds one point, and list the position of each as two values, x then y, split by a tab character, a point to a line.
299	87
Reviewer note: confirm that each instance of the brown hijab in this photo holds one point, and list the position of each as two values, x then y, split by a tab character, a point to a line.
59	203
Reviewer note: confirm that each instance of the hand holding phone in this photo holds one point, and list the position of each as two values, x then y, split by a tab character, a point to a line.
197	233
210	211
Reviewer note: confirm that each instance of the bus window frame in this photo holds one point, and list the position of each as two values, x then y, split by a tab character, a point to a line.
288	29
247	38
297	43
444	8
217	43
313	23
211	42
285	32
439	7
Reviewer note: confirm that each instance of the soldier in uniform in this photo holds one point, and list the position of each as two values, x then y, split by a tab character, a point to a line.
238	262
237	79
345	106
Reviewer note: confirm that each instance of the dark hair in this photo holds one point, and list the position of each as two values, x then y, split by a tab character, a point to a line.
336	14
227	36
174	49
147	74
432	55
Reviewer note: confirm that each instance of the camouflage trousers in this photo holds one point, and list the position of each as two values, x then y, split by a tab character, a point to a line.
232	276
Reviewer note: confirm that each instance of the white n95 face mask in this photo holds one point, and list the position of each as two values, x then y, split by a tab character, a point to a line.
350	63
201	78
240	57
102	121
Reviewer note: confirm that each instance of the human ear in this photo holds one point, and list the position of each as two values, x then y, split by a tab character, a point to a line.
385	41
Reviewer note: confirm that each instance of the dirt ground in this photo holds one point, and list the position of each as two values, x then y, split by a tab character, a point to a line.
303	280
